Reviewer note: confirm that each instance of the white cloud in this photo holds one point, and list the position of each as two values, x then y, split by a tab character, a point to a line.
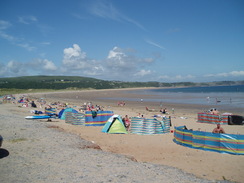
26	46
2	70
74	57
4	25
13	68
41	67
148	60
120	64
45	43
164	77
143	73
7	36
38	66
70	53
176	78
49	65
105	9
155	44
119	58
116	53
76	62
27	19
227	74
237	73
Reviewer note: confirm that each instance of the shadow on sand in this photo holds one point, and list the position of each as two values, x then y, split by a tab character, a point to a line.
3	153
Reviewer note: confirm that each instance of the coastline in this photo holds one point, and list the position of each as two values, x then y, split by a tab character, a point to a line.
157	149
102	97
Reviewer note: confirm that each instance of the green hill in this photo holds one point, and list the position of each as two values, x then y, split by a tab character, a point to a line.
67	82
77	82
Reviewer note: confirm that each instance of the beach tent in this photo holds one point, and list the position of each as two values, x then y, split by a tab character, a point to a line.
61	114
114	125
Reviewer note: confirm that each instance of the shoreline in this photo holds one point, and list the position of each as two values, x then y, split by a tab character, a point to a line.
204	164
100	96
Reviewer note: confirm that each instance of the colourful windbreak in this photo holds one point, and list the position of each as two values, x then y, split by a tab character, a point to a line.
97	118
150	126
218	142
212	118
51	111
75	118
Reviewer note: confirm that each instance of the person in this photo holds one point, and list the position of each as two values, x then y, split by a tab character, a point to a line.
216	112
139	115
127	122
218	129
164	111
33	104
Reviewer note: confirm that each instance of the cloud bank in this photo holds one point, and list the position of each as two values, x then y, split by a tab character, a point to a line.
120	64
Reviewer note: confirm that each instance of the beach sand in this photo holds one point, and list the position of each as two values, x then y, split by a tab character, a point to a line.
156	149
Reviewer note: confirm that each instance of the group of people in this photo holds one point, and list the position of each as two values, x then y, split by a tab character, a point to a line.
214	111
121	103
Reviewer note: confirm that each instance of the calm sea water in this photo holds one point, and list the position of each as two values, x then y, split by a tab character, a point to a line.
224	97
209	89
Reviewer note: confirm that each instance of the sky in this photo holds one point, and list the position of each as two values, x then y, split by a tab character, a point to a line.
123	40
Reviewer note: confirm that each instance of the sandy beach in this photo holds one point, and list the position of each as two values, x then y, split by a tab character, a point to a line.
156	149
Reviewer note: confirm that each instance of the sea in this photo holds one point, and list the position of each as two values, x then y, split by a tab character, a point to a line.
224	97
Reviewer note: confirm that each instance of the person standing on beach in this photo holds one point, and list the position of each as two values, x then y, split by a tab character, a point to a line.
126	121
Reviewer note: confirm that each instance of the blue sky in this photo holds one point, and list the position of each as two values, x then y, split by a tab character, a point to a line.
126	40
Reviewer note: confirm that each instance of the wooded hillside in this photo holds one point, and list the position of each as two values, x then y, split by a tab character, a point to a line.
76	82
